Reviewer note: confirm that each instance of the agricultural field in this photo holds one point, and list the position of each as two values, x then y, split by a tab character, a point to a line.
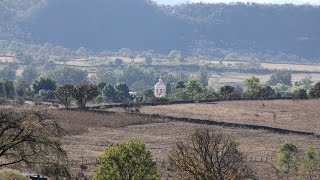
300	115
218	80
89	133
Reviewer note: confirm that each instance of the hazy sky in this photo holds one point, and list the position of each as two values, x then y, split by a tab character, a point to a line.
315	2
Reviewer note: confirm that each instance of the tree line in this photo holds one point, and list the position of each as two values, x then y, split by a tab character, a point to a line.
116	88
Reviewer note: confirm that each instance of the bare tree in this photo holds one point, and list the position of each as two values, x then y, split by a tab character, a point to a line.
208	155
29	136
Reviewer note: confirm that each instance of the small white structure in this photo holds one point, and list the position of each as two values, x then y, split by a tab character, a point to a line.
160	89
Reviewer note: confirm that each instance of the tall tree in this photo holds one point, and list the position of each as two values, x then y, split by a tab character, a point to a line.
44	83
123	94
84	93
194	89
288	159
65	94
29	136
227	92
312	162
109	92
252	87
209	155
315	90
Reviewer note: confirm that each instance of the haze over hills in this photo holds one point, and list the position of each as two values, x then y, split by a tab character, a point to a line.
297	2
191	28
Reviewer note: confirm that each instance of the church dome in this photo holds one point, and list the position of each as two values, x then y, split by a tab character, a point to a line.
160	89
160	84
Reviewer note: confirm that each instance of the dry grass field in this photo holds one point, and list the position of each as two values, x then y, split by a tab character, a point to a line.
90	133
233	78
300	115
293	67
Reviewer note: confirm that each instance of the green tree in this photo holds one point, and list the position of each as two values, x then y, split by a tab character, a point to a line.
194	89
252	87
44	83
282	77
109	92
65	94
298	92
84	93
267	92
288	159
312	162
315	90
122	91
127	161
281	89
306	81
180	85
227	92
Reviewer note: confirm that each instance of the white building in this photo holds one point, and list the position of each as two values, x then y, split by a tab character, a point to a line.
160	89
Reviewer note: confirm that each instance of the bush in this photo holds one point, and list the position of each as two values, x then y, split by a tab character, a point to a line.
126	161
11	174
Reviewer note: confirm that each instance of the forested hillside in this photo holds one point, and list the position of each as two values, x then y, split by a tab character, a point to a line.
279	28
285	31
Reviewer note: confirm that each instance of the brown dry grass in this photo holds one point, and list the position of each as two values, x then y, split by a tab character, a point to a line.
161	138
302	115
78	122
294	67
92	132
233	78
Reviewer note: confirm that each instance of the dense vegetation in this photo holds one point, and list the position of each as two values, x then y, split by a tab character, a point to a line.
221	30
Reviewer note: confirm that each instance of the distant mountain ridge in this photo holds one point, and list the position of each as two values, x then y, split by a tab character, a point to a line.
190	28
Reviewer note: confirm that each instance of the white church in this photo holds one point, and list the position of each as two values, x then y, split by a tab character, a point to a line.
160	89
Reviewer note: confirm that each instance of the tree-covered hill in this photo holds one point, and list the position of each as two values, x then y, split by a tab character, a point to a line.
215	29
109	24
285	28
